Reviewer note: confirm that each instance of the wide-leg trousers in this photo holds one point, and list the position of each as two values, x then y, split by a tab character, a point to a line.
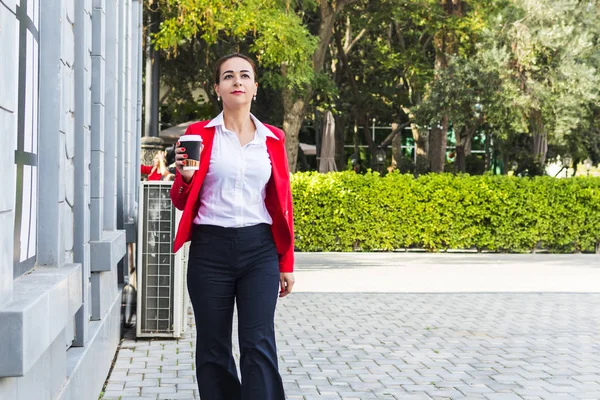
240	265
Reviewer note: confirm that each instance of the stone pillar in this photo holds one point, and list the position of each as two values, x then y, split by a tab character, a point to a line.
151	127
140	98
52	117
114	8
83	101
150	145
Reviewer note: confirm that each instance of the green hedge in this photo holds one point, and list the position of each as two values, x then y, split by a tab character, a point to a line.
348	212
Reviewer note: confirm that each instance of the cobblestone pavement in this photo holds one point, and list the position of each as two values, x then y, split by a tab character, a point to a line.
403	346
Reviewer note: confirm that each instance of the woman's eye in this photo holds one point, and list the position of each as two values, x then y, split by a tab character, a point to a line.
246	76
228	76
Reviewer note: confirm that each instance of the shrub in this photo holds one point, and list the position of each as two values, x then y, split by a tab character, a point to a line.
345	211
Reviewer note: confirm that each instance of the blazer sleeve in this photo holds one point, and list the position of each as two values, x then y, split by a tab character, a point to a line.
180	191
286	260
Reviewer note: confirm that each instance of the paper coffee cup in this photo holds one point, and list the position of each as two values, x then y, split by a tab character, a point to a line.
192	145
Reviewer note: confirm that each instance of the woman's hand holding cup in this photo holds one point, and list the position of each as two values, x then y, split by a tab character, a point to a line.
187	157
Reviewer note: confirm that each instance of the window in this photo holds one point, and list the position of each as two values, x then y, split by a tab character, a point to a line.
27	134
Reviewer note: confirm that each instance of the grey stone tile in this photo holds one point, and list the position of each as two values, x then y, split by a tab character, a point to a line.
410	346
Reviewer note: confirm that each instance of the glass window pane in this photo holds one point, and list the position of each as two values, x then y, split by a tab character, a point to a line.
25	212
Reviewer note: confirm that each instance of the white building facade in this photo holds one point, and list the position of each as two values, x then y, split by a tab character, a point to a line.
70	127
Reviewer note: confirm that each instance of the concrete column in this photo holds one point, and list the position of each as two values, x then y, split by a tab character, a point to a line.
66	231
68	113
129	113
151	142
113	10
107	252
133	64
51	138
151	127
121	111
138	130
98	118
82	158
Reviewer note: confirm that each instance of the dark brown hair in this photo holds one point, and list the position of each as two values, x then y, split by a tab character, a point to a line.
221	60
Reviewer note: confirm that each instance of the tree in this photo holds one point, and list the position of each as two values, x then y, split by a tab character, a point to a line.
295	100
550	54
271	30
366	83
458	30
276	36
405	47
533	71
464	92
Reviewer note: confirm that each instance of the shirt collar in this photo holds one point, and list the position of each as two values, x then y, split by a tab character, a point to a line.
261	129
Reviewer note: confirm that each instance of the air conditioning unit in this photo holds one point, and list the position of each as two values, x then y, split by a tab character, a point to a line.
162	298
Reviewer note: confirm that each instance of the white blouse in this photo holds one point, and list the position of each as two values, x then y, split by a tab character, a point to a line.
233	191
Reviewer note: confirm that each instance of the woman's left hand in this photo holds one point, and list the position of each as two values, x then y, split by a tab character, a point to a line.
286	280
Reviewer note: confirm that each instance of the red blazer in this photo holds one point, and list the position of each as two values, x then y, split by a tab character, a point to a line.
278	199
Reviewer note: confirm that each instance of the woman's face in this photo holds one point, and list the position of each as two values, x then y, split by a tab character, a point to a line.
237	83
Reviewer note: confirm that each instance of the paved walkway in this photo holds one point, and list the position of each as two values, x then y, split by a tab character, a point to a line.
414	326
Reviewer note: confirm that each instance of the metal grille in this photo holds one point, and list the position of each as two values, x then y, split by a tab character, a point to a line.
185	298
158	261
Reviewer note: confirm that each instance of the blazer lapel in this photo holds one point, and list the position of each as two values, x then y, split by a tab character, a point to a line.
275	162
208	138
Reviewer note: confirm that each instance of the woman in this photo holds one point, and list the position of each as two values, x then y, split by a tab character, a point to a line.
237	212
158	170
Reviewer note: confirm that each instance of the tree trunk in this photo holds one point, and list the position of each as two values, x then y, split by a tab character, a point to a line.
358	165
460	162
445	44
437	143
468	143
369	140
540	138
421	139
294	110
294	107
302	161
342	70
396	148
437	146
464	144
488	150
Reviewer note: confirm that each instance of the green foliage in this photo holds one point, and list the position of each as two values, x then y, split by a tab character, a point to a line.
532	70
462	91
274	34
346	211
531	66
547	54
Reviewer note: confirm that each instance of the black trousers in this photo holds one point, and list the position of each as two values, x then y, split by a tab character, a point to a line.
241	265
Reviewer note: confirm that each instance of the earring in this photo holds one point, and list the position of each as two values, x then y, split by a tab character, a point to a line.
255	97
218	98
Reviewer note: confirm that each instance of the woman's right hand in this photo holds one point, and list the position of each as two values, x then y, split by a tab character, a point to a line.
180	156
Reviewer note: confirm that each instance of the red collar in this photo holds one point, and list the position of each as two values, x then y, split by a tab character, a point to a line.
274	148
